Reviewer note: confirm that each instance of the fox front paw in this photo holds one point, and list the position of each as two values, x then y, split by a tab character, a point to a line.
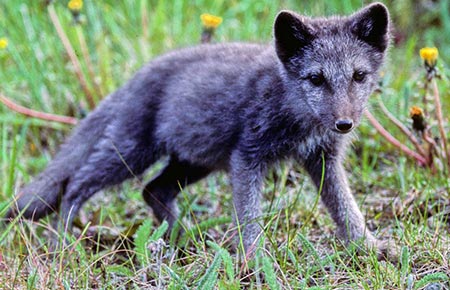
387	250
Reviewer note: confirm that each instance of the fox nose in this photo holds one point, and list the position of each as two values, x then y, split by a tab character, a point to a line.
344	125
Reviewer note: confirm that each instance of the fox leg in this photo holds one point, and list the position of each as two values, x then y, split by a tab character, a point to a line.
247	181
338	199
110	164
161	191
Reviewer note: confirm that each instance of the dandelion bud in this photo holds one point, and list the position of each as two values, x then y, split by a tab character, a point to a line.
418	118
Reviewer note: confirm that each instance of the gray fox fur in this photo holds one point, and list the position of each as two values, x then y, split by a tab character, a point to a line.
234	107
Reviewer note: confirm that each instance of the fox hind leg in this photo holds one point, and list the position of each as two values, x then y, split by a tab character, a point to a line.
109	165
161	191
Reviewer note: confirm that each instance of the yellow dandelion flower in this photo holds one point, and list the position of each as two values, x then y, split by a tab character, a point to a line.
75	5
429	55
3	42
210	21
415	111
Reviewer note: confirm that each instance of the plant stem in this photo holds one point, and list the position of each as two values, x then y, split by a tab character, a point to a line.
402	128
36	114
424	99
391	139
437	101
87	58
72	55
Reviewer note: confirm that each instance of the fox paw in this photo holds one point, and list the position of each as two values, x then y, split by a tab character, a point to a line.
387	250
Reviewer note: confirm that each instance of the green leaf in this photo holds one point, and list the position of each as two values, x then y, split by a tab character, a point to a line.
404	260
227	260
201	227
431	278
143	237
208	280
140	242
120	270
269	272
159	232
177	282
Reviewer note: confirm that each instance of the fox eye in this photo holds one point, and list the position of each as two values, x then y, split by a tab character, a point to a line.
359	76
317	79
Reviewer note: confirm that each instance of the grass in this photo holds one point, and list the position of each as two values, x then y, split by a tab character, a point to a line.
400	200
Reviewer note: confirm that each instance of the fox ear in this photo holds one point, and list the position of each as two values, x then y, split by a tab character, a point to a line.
371	24
291	34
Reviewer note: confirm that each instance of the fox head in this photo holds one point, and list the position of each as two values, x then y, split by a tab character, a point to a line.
331	65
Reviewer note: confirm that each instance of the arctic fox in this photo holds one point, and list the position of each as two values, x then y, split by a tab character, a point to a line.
234	107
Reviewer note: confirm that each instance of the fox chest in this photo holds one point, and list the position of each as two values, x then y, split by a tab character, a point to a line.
283	144
311	144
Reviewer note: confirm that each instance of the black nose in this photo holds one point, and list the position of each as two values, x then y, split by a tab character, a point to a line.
344	126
